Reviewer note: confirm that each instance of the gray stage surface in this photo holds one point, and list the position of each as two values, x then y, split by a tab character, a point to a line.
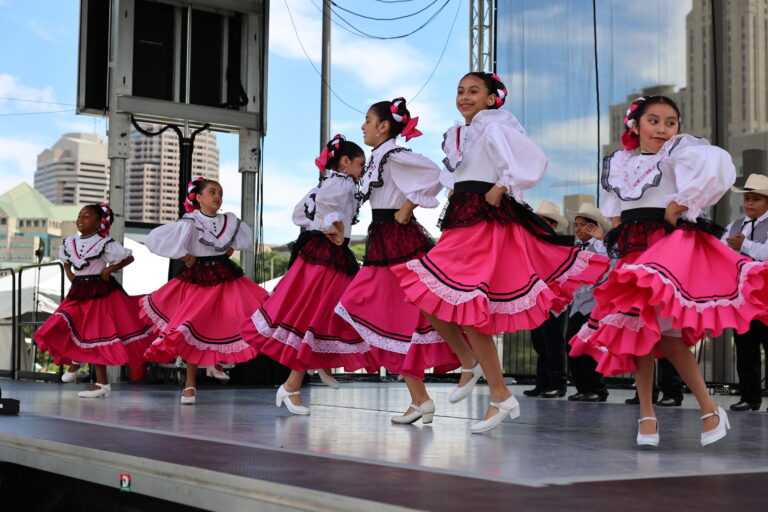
235	450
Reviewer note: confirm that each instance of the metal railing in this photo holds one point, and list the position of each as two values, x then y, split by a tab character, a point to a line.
35	322
715	356
10	372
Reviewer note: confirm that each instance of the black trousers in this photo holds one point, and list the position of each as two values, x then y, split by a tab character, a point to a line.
748	364
670	382
547	341
582	367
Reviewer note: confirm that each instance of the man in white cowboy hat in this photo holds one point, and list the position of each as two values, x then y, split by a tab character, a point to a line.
550	212
589	226
749	235
547	339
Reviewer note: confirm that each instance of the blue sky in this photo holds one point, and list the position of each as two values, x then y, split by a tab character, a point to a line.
39	62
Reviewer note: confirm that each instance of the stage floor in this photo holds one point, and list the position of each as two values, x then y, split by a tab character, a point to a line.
235	448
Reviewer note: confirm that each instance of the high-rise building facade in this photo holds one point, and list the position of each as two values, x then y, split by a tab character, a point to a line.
744	98
152	173
75	170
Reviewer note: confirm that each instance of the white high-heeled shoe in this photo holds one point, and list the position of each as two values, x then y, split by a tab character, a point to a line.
283	397
102	392
459	393
509	407
719	431
647	439
212	371
425	411
188	400
327	379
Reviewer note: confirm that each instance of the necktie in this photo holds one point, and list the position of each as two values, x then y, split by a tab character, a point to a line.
582	245
752	231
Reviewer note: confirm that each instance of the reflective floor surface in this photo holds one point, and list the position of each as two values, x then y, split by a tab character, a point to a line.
553	442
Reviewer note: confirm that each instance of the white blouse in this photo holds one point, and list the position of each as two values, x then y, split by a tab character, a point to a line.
91	255
687	170
394	174
493	149
333	200
200	235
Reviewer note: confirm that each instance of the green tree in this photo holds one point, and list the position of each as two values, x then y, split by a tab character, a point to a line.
359	251
273	265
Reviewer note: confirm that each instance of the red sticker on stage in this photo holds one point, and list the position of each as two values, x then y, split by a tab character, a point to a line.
125	482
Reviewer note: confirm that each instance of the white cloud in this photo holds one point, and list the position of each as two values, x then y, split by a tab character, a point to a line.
378	65
571	134
11	87
18	161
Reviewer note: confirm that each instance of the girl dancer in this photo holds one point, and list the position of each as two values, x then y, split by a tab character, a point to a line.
396	181
296	326
496	267
657	302
98	322
199	312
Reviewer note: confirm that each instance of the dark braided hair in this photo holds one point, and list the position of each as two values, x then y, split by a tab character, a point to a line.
494	85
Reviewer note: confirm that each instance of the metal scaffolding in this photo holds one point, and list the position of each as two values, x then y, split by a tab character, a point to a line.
481	31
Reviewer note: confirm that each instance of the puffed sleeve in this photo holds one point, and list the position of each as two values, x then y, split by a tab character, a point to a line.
172	240
299	216
703	174
417	177
610	204
519	162
332	200
63	255
244	237
114	252
446	179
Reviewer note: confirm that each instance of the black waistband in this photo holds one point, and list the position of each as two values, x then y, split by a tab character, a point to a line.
211	259
383	214
479	187
89	277
636	214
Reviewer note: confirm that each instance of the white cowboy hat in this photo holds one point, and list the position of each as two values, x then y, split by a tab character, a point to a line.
551	211
590	211
757	183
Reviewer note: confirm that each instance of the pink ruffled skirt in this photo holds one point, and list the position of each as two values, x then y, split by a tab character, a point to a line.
685	284
492	271
199	317
106	329
297	326
398	336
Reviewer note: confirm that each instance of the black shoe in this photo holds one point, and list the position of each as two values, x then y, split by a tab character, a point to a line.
576	397
669	401
636	401
552	393
745	406
594	397
532	392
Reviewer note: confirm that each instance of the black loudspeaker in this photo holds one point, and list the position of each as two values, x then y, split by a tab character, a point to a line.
261	371
8	405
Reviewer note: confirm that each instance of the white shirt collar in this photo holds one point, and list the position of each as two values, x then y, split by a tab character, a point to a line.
759	219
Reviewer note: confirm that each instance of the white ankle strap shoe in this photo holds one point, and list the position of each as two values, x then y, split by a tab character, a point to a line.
719	431
425	411
509	407
459	393
102	392
647	439
283	398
